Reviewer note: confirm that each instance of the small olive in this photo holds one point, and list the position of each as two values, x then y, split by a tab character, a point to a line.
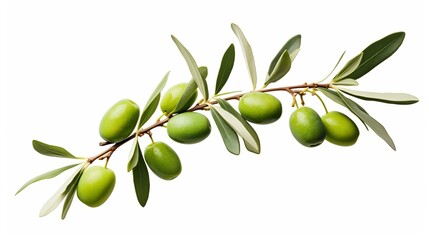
162	160
171	98
95	185
340	129
259	107
188	127
307	127
119	121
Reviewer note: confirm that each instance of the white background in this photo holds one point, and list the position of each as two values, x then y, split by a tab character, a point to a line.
63	63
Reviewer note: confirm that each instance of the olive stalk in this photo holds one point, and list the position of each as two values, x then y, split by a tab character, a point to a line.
107	153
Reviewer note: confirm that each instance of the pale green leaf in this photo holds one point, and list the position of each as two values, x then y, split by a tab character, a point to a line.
281	68
350	67
193	68
394	98
225	68
229	136
190	89
346	82
133	156
60	194
377	52
70	194
336	65
52	151
248	53
225	105
47	175
292	46
238	127
153	101
141	179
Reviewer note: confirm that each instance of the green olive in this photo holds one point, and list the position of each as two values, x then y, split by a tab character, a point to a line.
119	121
259	107
307	127
171	98
162	160
95	185
188	127
340	129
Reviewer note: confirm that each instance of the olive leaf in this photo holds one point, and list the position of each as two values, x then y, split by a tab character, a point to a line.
281	68
133	158
350	67
229	136
292	46
190	89
238	127
225	68
393	98
336	65
225	105
52	151
193	68
357	110
376	53
153	101
346	82
70	194
248	53
61	193
141	178
47	175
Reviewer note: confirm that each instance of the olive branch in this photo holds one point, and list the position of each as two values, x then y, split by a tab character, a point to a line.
231	123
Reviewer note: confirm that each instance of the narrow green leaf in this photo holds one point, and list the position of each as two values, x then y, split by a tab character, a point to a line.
190	89
346	82
51	150
193	68
377	52
229	136
350	67
141	179
70	194
394	98
47	175
334	96
134	155
292	46
60	194
282	67
153	101
225	68
336	65
237	126
225	105
248	53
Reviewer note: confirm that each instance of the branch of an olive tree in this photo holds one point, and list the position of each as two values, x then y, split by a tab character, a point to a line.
107	153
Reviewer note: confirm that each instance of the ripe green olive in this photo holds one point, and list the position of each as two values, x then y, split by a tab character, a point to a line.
95	185
307	127
171	98
119	121
259	107
340	129
189	127
162	160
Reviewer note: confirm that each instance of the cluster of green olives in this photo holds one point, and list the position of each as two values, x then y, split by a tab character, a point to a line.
307	127
311	130
188	127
